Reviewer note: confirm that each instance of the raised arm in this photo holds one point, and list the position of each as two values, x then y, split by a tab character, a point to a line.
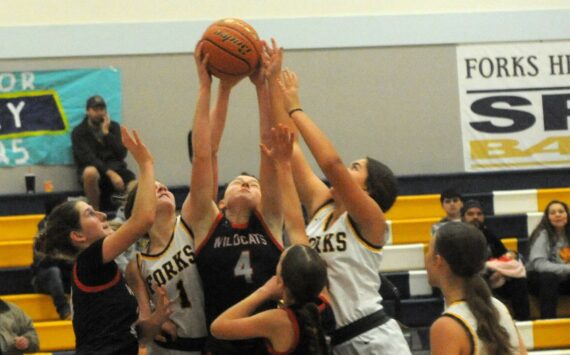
199	210
311	190
218	117
280	151
271	205
144	207
239	322
360	206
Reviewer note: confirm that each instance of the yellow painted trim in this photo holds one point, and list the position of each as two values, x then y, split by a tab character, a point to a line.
416	206
39	307
19	227
16	253
60	109
412	231
511	243
544	196
57	335
360	239
469	328
551	333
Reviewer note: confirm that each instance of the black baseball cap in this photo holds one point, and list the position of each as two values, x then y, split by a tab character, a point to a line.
96	102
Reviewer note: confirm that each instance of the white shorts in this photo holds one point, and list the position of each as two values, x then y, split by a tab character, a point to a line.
386	339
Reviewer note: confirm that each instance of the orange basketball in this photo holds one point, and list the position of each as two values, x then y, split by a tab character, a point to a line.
233	46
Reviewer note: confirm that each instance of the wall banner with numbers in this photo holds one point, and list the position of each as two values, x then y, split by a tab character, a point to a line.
515	105
39	109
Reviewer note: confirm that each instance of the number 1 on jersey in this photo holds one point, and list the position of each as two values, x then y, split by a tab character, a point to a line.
243	267
184	301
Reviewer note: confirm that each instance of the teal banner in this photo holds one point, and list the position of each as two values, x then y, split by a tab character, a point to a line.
39	109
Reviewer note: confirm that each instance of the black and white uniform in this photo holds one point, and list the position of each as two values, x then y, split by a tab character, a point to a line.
235	260
462	314
104	308
175	268
354	282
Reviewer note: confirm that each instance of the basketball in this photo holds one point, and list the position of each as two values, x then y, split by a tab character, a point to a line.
233	46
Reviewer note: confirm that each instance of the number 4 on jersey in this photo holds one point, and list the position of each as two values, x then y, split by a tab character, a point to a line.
243	267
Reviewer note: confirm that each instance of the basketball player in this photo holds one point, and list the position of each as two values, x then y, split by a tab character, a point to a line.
347	224
170	257
105	317
238	242
473	322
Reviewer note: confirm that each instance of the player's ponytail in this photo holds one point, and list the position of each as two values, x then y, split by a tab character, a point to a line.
464	248
312	334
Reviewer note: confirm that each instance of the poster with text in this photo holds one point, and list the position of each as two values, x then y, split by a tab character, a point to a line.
515	105
39	109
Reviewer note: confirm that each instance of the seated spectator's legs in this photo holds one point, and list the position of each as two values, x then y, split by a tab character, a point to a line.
50	281
90	179
548	286
516	290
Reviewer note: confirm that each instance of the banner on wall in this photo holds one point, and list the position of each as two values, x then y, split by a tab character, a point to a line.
39	109
514	105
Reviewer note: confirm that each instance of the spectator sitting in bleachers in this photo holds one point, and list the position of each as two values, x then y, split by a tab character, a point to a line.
17	332
549	260
505	274
50	274
100	155
451	202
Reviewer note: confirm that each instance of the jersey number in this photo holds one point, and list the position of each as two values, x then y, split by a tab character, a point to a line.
243	267
184	301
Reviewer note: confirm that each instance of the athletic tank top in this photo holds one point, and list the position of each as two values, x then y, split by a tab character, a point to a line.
234	261
353	265
460	312
175	268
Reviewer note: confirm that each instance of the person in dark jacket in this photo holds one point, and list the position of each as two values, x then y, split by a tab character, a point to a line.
99	153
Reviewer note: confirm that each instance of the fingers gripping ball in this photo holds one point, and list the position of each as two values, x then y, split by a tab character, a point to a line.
233	46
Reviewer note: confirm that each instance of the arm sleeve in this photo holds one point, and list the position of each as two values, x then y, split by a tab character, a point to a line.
83	152
539	257
90	268
27	330
113	141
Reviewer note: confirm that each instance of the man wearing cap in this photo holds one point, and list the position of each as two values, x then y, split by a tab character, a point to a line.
99	153
504	273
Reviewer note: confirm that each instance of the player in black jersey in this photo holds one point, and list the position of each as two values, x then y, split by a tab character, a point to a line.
296	327
105	319
238	242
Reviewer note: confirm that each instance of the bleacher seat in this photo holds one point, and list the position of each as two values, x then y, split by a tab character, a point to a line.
55	335
545	333
38	306
16	253
23	227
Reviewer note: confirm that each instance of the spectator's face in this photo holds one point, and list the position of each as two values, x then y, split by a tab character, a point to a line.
96	115
452	206
474	216
557	216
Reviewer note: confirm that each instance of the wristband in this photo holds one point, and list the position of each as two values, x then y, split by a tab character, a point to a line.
295	110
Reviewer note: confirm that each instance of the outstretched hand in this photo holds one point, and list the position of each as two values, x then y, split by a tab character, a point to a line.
272	58
202	65
282	141
135	146
289	84
163	306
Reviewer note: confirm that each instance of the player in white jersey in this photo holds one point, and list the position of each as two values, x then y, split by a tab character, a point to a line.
170	260
474	322
349	232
